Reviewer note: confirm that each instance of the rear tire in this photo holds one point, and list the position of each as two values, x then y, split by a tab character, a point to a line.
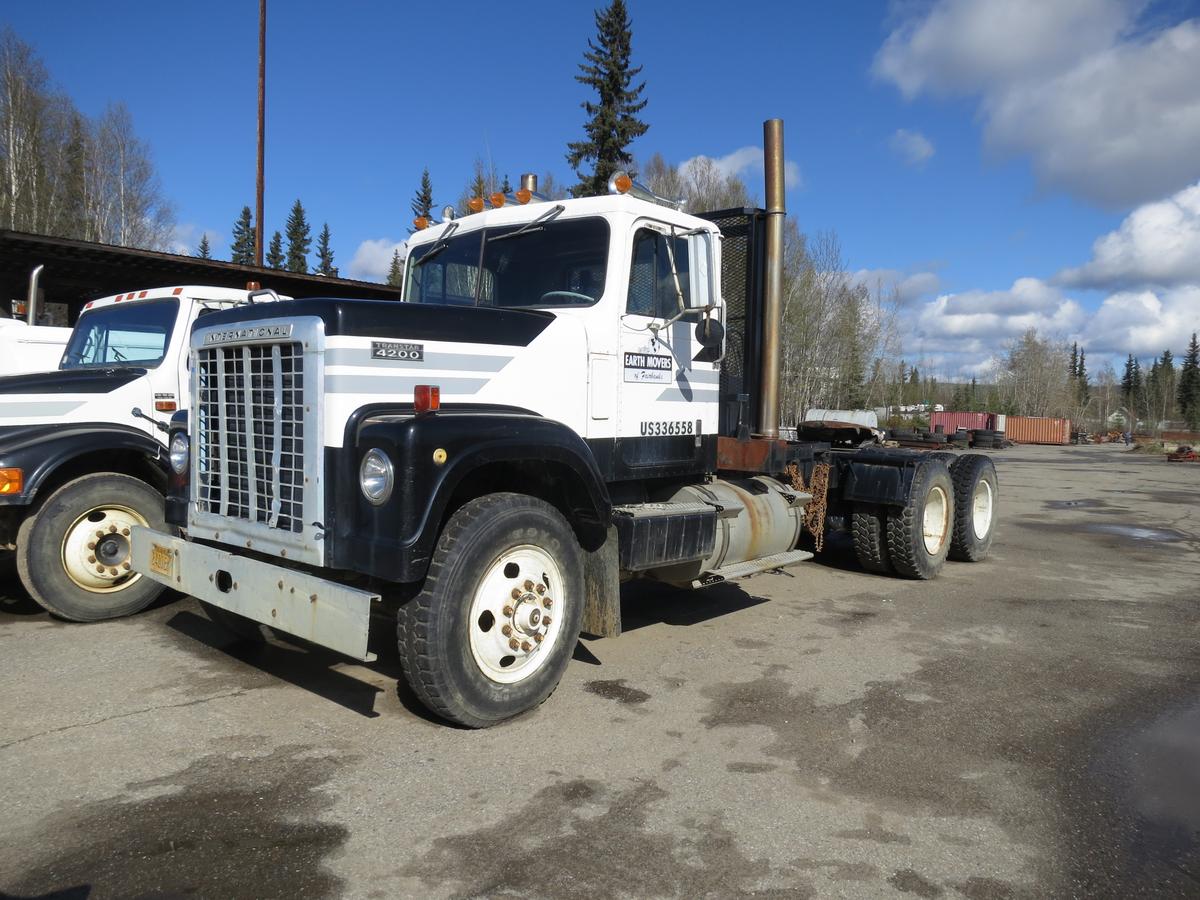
507	568
976	501
869	528
73	553
918	535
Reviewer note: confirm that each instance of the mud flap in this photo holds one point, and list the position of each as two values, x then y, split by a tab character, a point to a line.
602	585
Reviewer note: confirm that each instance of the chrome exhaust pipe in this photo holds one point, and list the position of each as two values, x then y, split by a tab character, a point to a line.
31	300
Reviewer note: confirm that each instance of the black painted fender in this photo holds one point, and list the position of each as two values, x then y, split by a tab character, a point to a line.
41	449
433	455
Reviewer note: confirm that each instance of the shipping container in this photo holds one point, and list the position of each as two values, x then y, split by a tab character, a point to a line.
1038	430
952	421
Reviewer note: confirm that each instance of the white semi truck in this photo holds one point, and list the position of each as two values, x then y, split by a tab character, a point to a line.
83	447
574	394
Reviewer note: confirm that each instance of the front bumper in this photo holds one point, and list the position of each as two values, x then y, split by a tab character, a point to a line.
320	611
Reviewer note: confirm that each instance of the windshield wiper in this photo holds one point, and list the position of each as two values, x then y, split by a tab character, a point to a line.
439	245
536	225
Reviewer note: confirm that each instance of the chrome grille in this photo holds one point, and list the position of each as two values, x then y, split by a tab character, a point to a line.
250	435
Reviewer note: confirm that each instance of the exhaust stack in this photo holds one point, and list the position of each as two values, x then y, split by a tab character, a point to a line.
768	407
529	182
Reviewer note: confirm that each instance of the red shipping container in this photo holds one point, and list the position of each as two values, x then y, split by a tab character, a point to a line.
952	421
1038	430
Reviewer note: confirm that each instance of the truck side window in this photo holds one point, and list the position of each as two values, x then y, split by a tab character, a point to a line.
651	284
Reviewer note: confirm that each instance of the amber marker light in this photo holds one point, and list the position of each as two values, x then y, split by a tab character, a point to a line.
497	200
420	223
475	204
523	196
426	398
11	480
622	183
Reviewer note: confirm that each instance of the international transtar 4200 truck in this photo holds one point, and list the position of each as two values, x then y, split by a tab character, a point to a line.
574	393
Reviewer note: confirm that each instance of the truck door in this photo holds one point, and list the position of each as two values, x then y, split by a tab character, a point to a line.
667	397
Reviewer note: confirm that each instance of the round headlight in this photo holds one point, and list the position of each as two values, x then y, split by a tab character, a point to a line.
179	452
375	476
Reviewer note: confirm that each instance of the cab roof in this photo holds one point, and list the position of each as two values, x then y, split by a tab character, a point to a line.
193	291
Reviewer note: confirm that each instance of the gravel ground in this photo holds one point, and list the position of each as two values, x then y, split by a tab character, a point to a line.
1024	727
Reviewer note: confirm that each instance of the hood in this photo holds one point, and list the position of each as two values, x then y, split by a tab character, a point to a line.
71	381
393	319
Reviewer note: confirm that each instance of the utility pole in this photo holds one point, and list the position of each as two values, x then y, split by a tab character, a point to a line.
262	105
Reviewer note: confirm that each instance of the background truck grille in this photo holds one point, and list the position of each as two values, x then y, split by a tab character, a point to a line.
250	433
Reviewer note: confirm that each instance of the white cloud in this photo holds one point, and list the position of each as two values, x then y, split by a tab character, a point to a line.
1157	244
913	148
909	286
1104	111
1144	322
373	259
748	160
185	239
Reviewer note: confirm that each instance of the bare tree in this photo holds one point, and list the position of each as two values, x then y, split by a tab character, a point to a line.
1035	380
700	184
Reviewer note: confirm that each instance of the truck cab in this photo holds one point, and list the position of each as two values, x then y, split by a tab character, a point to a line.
82	447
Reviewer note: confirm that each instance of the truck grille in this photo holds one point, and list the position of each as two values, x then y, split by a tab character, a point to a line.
250	438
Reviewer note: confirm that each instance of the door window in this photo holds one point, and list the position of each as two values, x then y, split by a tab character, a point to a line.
652	286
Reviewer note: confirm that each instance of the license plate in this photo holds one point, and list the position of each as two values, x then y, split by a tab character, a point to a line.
161	559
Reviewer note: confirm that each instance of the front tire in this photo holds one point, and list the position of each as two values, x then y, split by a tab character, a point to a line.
73	553
918	535
492	630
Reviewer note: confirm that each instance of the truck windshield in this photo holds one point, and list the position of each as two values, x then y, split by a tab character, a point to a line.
136	334
560	263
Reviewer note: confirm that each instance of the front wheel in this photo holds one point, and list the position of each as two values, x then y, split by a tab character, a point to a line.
492	630
73	553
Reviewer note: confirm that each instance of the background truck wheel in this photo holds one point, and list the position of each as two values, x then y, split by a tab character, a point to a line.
918	535
73	553
976	500
494	626
243	630
868	526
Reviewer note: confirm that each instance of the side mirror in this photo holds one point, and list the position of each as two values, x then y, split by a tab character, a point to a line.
710	333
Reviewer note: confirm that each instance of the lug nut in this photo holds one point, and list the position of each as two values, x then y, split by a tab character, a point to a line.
91	545
125	531
546	621
112	529
91	559
528	585
541	589
100	569
514	644
126	566
537	638
547	602
525	645
508	610
516	593
100	533
112	571
506	630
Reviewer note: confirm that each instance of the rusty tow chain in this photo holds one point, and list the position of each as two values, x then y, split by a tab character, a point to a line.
814	513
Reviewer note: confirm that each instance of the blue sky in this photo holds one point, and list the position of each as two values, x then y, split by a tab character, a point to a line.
951	144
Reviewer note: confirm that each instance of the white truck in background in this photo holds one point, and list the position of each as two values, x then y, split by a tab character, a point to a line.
26	346
83	447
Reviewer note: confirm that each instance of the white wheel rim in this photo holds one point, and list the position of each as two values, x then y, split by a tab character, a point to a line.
95	549
516	614
935	522
981	509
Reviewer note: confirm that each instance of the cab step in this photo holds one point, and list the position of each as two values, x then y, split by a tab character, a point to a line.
752	567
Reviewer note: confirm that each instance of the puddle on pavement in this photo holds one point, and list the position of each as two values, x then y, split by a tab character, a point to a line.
1138	532
1162	788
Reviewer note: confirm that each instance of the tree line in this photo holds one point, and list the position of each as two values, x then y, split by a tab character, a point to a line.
299	242
67	175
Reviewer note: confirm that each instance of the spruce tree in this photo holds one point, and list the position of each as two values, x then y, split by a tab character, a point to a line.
325	264
422	202
275	257
396	272
299	239
1188	390
506	187
242	247
1082	390
1074	372
612	122
202	251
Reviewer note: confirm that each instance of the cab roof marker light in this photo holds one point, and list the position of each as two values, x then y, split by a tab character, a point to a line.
475	204
623	183
142	295
420	223
177	292
497	200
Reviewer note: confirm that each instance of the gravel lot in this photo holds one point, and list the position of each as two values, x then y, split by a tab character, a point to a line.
1025	727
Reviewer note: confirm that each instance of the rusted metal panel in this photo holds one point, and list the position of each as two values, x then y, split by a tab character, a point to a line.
1038	430
952	421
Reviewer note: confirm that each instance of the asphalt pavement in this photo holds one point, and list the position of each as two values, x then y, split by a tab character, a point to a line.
1028	726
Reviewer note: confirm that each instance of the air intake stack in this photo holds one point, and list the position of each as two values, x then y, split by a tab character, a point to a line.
768	406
